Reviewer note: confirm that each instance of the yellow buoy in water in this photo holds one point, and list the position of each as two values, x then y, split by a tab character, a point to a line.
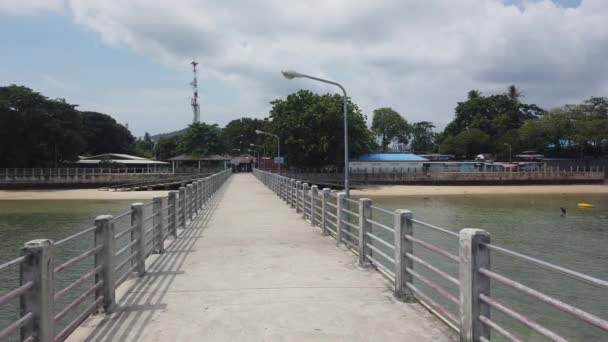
585	205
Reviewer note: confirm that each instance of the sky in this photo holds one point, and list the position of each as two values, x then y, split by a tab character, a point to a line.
130	58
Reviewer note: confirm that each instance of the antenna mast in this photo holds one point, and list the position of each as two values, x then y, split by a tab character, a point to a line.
194	102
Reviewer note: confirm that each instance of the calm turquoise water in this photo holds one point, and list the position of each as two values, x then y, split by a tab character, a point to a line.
530	224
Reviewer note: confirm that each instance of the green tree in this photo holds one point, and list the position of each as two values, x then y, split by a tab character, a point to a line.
473	94
468	143
390	127
513	93
201	139
310	127
102	134
423	137
240	133
166	147
144	146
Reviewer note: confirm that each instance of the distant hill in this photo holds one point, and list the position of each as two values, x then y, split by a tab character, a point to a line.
156	137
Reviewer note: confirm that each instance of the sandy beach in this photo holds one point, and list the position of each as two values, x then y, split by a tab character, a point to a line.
430	190
78	194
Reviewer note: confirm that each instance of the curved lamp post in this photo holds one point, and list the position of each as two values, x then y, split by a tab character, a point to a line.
291	75
263	148
257	131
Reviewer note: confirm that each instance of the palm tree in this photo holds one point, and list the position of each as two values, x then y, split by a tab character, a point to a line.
514	93
474	94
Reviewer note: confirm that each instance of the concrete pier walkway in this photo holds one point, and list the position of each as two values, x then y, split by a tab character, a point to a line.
252	270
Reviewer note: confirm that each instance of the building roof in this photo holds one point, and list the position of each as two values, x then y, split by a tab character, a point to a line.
390	157
112	156
142	161
189	157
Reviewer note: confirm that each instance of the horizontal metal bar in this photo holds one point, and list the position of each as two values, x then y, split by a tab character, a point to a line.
331	204
381	253
349	243
521	318
78	320
78	300
376	238
124	262
11	263
561	306
433	248
62	241
125	248
352	225
576	275
124	232
29	339
445	293
434	269
378	224
77	282
78	258
442	311
350	212
350	235
16	325
379	265
445	231
124	276
331	214
122	215
15	293
383	210
485	320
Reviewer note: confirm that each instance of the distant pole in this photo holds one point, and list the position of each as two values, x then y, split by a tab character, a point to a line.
194	101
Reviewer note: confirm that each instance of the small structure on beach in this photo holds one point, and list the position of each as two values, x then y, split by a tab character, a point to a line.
192	163
118	159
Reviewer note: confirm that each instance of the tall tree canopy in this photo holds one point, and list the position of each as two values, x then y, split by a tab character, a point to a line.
423	137
102	134
201	139
310	127
390	127
240	133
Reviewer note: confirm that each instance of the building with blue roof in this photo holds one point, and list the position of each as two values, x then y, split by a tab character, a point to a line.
388	162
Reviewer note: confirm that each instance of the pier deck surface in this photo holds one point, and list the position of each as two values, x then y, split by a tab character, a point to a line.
251	269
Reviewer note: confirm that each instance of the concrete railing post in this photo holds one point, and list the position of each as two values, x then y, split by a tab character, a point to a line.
292	192
157	224
473	256
365	214
324	208
138	233
182	205
340	216
304	200
190	197
298	187
403	227
39	300
104	236
314	194
172	219
197	201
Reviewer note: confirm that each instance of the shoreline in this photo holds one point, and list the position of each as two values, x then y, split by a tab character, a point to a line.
77	194
452	190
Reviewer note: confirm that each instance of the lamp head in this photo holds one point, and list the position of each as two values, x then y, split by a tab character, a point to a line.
290	74
257	131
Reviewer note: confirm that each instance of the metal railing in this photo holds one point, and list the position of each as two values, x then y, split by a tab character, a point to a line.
79	171
51	305
450	273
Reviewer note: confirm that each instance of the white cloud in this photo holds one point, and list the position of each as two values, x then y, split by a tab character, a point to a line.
30	7
419	57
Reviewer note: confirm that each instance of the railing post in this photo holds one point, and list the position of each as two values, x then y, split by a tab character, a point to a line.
138	233
298	186
339	216
365	214
39	300
473	256
157	237
182	205
195	199
189	196
304	192
172	219
292	192
403	226
324	209
104	236
314	193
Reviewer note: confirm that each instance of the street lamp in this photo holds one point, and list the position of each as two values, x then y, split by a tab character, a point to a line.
263	148
509	146
291	75
254	152
257	131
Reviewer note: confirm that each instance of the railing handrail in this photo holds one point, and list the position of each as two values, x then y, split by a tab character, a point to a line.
475	264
